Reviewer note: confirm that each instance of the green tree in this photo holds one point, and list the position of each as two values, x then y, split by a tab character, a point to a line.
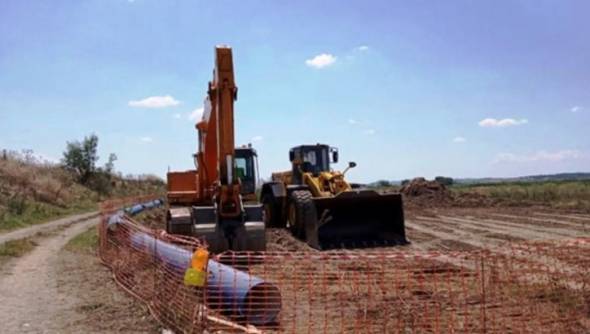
383	183
109	167
81	157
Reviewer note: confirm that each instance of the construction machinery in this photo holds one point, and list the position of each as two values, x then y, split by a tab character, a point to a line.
209	201
319	206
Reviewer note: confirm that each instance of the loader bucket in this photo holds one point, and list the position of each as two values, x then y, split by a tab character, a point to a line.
358	219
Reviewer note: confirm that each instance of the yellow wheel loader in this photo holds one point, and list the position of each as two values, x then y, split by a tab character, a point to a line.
320	207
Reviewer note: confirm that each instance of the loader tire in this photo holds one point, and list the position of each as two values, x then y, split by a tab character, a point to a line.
273	216
302	217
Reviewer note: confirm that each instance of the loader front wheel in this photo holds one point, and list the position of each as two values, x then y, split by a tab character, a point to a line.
302	218
272	212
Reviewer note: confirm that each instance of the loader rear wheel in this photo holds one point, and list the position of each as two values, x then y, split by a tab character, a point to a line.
272	211
302	217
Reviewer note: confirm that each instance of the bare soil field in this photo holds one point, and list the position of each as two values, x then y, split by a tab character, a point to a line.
535	274
55	289
457	229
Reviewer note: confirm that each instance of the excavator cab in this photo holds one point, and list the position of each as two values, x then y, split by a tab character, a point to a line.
246	165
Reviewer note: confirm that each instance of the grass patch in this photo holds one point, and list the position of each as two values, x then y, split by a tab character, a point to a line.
85	242
37	213
557	194
16	248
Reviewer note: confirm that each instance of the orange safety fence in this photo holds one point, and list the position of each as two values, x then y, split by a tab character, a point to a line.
525	287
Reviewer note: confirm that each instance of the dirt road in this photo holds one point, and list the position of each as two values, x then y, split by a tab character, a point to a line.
55	290
31	301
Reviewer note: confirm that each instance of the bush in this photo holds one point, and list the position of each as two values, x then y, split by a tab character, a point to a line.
17	204
447	181
101	182
382	184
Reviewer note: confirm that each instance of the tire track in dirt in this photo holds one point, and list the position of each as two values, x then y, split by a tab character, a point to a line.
568	216
31	302
575	225
522	230
495	246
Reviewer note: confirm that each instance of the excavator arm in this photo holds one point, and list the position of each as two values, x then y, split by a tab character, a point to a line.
217	135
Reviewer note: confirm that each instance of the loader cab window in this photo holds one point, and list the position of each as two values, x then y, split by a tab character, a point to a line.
316	160
310	157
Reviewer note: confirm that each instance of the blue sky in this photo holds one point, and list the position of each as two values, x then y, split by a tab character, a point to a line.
404	88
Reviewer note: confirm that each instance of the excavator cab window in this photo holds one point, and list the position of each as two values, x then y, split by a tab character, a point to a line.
245	169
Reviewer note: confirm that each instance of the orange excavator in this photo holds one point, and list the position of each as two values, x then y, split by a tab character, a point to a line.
209	201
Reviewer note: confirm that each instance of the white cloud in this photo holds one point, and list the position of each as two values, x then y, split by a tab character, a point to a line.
146	139
362	48
539	156
196	114
155	102
256	138
370	132
352	121
177	116
459	140
576	109
321	61
501	123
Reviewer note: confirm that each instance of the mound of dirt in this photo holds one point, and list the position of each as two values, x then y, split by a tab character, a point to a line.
426	193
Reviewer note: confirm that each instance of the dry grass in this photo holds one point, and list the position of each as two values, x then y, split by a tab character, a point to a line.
33	192
16	248
84	243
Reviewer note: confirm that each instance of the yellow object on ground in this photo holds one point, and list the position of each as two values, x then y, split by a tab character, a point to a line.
196	275
193	277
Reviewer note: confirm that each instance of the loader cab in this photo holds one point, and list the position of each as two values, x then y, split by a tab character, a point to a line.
246	164
312	159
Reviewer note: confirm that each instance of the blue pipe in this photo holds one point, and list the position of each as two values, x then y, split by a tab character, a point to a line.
227	287
139	208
